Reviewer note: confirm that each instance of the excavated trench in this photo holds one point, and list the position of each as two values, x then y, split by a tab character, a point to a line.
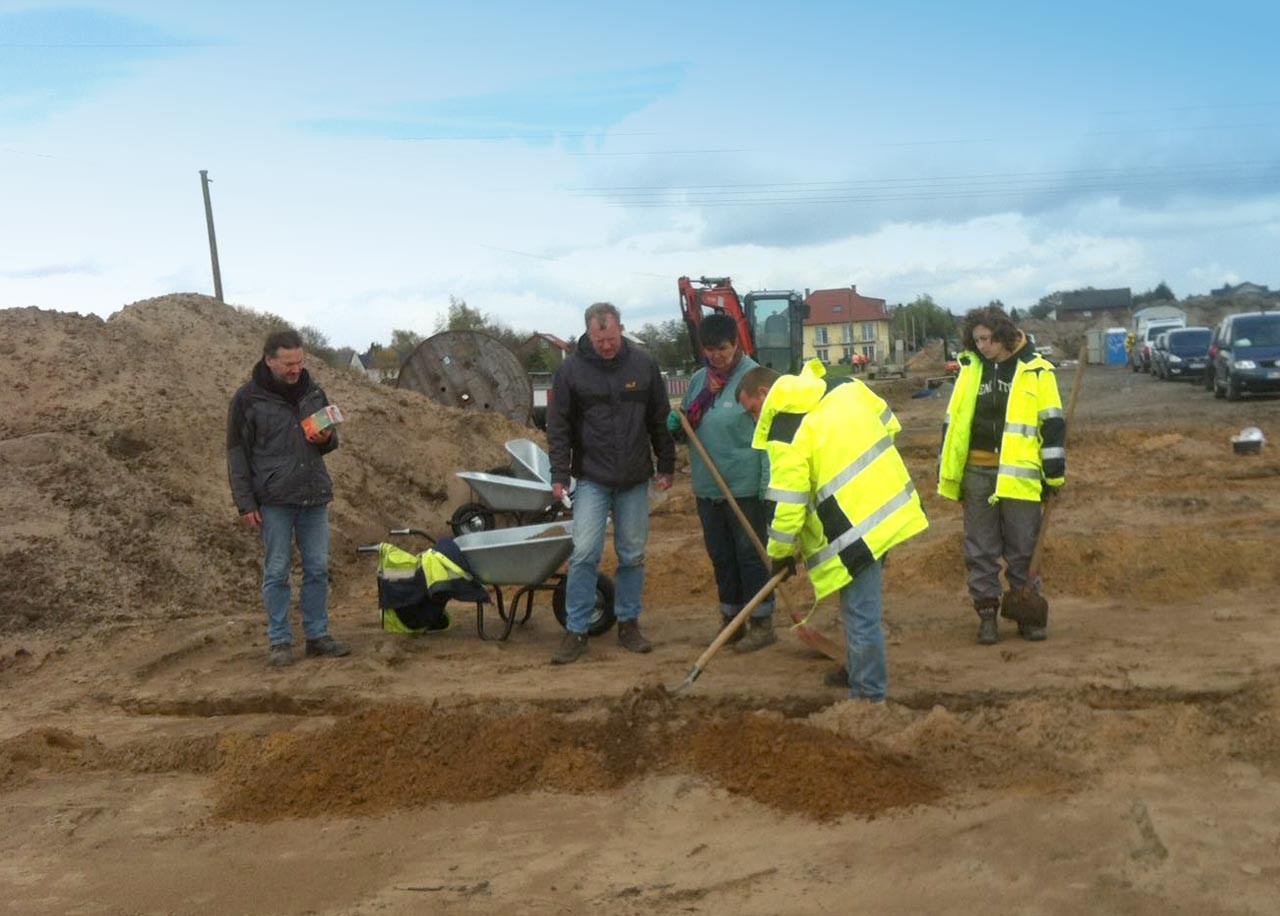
323	758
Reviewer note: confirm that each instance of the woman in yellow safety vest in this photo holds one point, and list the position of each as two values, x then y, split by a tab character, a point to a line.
1002	452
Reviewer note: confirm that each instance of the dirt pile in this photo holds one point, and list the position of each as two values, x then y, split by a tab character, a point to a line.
395	757
931	358
113	492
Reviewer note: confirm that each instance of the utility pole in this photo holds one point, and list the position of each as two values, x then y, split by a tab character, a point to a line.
213	240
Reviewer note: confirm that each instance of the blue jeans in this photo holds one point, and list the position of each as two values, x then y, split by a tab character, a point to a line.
310	526
740	572
592	503
863	635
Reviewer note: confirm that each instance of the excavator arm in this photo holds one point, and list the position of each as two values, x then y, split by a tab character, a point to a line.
714	294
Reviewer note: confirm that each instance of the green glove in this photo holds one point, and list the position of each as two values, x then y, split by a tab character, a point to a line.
673	421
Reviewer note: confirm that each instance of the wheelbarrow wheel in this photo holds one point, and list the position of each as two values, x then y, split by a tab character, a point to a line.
601	618
471	518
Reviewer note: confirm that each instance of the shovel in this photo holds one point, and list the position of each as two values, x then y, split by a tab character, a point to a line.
809	636
1026	605
727	633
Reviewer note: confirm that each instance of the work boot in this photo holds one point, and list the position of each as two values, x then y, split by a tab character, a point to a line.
838	677
759	634
988	626
572	647
737	634
630	638
1032	633
326	645
280	655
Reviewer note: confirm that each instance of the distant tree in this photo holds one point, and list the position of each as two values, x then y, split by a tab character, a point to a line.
538	360
996	303
462	317
667	342
1013	312
315	342
1046	305
1158	293
405	342
920	320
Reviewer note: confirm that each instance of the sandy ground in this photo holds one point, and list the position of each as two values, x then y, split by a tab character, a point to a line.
151	764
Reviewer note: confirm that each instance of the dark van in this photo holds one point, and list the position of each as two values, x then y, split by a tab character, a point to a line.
1186	352
1246	355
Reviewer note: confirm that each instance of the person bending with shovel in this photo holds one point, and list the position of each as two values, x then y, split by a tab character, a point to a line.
1003	451
843	497
725	431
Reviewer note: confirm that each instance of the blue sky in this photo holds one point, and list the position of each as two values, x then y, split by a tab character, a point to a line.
370	160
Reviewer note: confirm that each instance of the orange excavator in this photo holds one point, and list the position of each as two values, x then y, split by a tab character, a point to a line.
770	322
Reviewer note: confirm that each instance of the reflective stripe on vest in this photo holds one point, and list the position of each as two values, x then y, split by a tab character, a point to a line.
855	467
791	497
863	528
781	536
1022	429
1010	470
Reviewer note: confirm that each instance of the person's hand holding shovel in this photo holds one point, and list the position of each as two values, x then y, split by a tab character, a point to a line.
787	564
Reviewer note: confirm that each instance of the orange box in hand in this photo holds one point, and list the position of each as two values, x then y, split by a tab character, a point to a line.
322	419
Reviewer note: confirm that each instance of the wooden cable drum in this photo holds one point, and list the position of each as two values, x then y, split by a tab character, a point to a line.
471	370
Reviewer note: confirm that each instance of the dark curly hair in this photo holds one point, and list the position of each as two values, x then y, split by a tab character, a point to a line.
1002	328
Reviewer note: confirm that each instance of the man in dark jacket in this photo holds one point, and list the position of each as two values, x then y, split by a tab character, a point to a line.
281	487
606	420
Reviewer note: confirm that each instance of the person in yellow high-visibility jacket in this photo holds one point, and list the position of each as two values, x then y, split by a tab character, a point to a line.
842	496
1002	452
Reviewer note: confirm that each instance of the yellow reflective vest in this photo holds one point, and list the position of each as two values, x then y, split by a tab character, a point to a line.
1032	451
843	495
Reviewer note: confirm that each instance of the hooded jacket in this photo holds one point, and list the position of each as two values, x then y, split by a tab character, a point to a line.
843	494
1032	445
269	460
608	417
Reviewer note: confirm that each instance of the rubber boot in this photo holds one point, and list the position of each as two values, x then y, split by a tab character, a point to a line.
988	625
759	634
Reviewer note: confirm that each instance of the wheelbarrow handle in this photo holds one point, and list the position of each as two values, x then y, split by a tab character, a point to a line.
405	532
368	548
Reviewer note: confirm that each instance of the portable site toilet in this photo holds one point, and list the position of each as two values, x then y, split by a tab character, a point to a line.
1115	347
1097	346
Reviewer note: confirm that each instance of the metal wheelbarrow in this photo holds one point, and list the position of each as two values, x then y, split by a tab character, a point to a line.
522	490
530	557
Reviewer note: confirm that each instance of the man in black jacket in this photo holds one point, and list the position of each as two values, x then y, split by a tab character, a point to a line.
281	487
606	420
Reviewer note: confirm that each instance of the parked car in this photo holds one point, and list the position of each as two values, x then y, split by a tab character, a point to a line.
1140	357
1184	353
1246	354
1157	354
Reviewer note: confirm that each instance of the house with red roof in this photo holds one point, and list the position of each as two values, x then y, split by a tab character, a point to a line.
844	324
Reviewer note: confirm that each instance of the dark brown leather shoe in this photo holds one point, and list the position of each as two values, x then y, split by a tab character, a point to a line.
630	638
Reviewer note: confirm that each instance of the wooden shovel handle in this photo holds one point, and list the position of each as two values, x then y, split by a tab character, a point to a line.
1076	384
732	626
809	636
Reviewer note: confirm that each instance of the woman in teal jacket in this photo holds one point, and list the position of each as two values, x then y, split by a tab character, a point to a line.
725	431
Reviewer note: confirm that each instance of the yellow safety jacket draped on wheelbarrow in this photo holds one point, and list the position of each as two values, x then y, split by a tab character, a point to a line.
413	588
1032	447
843	495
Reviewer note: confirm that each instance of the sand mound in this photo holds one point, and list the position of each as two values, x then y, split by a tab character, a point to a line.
404	756
113	488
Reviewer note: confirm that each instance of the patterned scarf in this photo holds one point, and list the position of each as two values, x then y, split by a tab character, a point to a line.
715	383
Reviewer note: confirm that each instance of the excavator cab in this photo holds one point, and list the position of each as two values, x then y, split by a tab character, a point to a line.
776	318
770	322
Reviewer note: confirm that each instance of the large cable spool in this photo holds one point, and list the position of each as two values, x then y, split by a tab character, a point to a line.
471	370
